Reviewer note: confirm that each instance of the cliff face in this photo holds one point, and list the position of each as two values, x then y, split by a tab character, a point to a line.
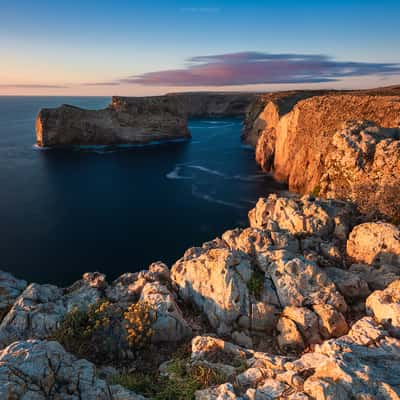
296	145
134	119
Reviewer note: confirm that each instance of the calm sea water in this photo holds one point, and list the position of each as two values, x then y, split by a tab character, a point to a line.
65	212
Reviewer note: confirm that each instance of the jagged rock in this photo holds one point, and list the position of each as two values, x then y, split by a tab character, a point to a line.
306	321
43	370
253	240
10	289
270	389
303	216
349	283
40	308
95	279
289	338
331	322
169	325
251	377
221	392
302	283
377	277
126	288
375	243
160	271
384	306
216	281
363	166
212	349
365	362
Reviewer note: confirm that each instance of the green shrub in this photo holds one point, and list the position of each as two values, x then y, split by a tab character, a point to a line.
105	332
256	283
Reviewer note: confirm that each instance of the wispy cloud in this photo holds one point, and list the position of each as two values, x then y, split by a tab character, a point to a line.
261	68
31	86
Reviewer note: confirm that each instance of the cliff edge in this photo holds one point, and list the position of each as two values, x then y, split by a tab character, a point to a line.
296	136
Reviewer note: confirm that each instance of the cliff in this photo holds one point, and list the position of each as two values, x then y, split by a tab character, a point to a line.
135	119
295	137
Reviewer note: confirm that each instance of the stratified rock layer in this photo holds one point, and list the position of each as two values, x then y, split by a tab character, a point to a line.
134	119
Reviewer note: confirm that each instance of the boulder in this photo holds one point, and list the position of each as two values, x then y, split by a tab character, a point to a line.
384	306
169	324
43	370
377	276
306	321
300	283
305	216
217	281
375	243
289	338
331	322
350	284
39	309
365	363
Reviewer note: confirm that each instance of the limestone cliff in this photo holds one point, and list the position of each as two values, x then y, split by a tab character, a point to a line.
295	138
135	119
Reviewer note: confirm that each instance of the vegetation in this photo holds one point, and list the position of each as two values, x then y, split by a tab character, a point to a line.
316	191
105	332
256	283
181	384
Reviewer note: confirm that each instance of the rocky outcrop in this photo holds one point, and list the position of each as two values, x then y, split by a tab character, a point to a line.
134	119
362	364
303	142
303	304
40	309
363	166
43	370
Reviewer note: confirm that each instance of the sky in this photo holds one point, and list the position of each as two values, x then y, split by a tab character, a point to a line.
136	48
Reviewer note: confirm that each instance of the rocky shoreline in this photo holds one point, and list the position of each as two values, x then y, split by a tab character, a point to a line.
302	304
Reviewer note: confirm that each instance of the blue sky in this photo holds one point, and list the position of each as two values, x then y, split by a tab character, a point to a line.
110	47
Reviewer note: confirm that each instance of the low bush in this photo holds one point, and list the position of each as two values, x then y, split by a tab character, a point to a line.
106	332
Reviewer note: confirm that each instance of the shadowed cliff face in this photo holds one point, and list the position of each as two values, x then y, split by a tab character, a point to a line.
135	119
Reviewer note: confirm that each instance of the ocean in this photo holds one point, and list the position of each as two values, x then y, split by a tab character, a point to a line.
67	211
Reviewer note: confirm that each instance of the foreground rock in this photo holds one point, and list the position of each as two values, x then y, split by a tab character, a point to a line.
43	370
40	309
365	363
134	119
303	304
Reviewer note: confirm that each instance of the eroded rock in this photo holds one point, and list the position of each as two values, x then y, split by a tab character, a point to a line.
43	370
375	243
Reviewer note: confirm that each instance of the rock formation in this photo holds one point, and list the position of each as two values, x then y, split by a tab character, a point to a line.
341	145
303	304
134	119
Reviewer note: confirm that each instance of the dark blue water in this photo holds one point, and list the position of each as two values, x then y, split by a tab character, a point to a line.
65	212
